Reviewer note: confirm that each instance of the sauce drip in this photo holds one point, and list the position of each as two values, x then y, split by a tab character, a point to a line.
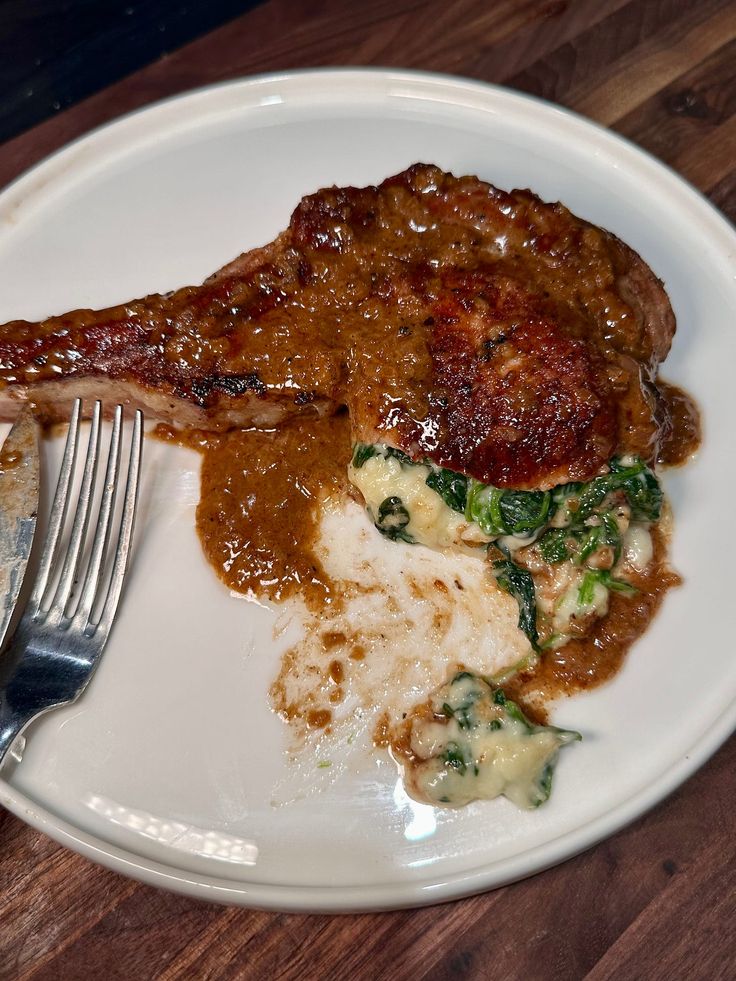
258	523
257	518
258	513
681	432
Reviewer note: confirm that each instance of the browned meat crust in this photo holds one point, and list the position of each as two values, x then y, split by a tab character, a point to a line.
492	332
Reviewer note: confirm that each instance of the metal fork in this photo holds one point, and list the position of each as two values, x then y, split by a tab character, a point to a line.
59	640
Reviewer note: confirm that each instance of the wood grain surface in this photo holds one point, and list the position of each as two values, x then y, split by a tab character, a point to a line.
657	901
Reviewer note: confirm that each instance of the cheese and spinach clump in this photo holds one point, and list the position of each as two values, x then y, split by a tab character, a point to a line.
476	744
560	552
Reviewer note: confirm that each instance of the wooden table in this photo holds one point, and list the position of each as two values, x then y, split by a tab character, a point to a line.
658	899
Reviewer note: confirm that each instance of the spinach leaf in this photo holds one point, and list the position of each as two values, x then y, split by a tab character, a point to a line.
590	541
643	492
393	519
514	712
362	452
461	713
483	507
544	784
586	592
596	491
637	481
592	577
525	511
582	541
454	757
451	486
404	460
553	545
463	710
617	585
519	583
564	492
611	534
507	512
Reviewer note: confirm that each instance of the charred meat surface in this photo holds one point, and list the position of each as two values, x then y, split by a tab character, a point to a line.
487	331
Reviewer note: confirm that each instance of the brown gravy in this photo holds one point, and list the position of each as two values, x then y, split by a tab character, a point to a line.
499	335
681	434
258	510
258	518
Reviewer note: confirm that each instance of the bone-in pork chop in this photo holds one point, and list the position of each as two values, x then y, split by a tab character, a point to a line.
488	331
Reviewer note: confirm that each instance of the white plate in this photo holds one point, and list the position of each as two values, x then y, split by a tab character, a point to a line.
165	769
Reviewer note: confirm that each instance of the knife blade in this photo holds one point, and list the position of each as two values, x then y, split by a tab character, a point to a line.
19	490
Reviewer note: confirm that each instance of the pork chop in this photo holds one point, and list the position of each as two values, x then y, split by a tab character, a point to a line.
491	332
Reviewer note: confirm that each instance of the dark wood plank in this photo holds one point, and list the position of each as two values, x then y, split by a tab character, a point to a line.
704	946
140	935
709	160
471	38
591	901
689	110
533	929
723	194
656	900
632	54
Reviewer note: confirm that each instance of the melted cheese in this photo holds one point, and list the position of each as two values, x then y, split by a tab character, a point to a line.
638	549
427	519
570	608
483	748
431	521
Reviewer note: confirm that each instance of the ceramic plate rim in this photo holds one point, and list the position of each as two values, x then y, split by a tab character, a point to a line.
373	84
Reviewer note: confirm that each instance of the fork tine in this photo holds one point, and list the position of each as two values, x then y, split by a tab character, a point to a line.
58	511
51	658
127	521
81	518
102	531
